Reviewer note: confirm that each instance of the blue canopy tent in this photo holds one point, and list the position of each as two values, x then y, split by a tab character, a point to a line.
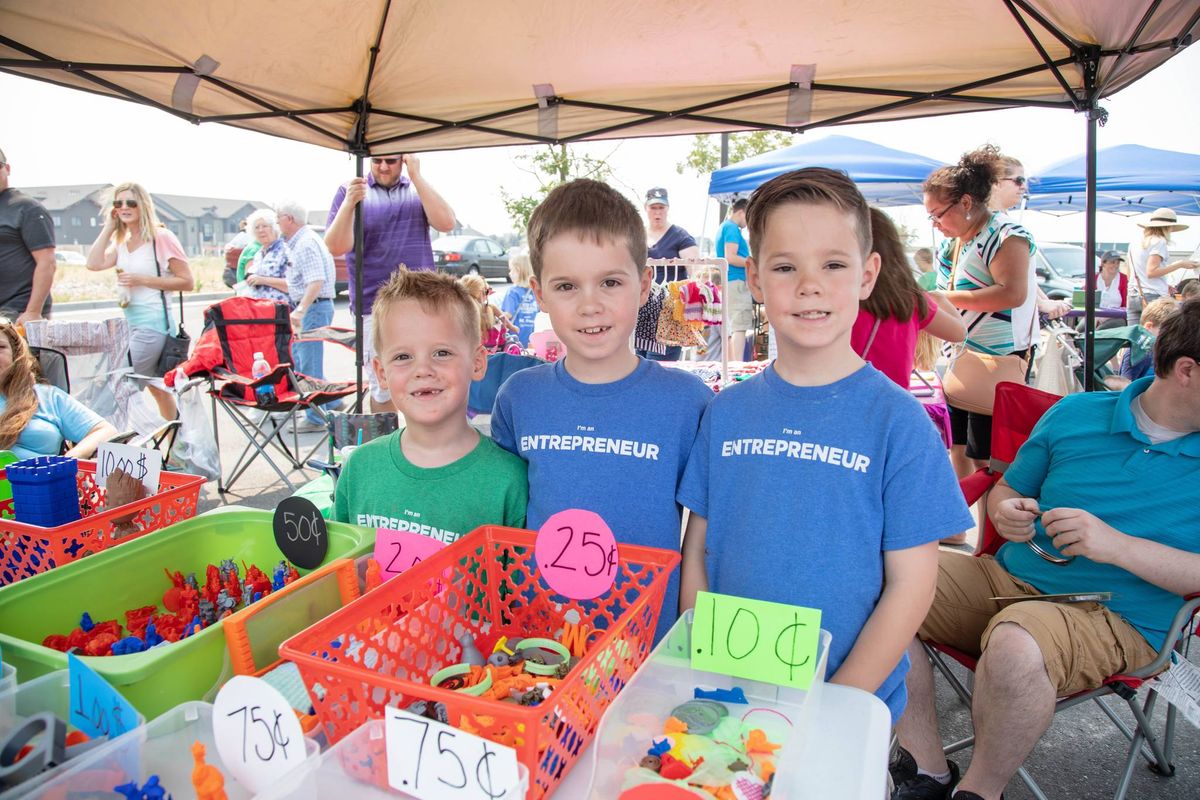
1130	179
885	176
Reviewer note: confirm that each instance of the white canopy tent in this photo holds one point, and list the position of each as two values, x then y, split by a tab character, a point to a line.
379	76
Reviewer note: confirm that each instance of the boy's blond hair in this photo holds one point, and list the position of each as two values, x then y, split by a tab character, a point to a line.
592	211
817	185
436	293
1158	311
521	268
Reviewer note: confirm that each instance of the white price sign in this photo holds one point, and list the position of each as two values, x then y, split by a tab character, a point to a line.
256	731
141	463
432	761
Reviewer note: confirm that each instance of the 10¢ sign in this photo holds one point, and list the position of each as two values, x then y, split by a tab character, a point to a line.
577	554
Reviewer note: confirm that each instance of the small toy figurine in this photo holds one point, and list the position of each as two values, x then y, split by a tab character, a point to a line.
652	763
225	604
130	644
227	569
206	779
757	742
152	790
191	581
673	769
732	695
208	612
374	576
470	653
152	637
212	583
86	623
129	790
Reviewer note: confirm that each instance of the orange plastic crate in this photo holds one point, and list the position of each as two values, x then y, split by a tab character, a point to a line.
27	550
381	650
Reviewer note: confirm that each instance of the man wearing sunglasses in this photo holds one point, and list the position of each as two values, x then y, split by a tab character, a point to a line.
397	214
26	253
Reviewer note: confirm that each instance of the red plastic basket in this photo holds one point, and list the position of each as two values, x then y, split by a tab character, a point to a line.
27	550
382	649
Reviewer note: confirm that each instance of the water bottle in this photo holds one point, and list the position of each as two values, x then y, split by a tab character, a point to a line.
263	395
123	296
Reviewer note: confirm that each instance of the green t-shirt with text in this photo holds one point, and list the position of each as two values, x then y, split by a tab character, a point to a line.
380	488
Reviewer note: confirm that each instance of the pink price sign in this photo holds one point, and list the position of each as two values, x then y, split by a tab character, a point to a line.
577	554
396	551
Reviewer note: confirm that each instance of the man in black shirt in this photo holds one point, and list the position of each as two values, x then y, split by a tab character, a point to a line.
26	253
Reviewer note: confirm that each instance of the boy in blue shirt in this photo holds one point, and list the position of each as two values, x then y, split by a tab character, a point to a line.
601	429
819	482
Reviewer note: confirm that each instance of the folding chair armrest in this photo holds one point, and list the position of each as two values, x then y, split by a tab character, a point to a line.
975	485
1182	620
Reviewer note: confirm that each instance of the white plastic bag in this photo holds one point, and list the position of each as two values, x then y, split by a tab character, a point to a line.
1056	365
195	449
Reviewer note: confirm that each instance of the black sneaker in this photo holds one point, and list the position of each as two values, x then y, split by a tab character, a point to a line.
902	767
923	787
963	794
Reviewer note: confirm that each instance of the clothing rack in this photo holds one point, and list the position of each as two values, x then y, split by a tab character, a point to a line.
723	267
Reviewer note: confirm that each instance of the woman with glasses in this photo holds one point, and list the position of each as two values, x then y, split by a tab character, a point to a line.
36	418
984	270
266	274
150	263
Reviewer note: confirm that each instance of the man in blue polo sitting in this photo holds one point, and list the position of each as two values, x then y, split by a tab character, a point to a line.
1083	487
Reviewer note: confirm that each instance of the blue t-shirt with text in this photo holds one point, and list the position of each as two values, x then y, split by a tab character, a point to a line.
805	488
618	449
730	233
522	307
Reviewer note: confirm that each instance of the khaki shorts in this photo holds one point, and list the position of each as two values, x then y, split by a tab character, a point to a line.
1081	643
741	306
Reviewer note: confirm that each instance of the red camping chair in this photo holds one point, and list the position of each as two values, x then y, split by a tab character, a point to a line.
236	329
1017	410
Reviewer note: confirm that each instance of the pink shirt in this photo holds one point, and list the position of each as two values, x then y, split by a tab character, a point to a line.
895	343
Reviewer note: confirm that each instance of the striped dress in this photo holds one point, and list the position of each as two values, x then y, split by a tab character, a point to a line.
987	331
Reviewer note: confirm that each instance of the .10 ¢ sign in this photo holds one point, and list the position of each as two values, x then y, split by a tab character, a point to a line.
577	554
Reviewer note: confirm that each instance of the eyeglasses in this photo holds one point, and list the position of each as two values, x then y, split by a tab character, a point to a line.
126	203
942	213
391	162
1018	180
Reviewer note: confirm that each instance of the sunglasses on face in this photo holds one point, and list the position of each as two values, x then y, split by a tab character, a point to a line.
126	203
391	162
1018	180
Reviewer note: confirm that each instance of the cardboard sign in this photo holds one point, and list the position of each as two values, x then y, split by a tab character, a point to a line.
140	462
577	554
396	551
97	708
256	731
432	761
300	532
755	639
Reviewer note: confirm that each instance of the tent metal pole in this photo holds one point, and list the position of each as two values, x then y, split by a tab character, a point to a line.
358	292
1094	115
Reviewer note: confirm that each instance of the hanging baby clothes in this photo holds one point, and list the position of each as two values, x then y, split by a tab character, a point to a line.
645	335
673	329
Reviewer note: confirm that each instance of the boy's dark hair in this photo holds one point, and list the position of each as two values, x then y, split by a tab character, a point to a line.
592	211
809	185
1189	288
973	175
739	204
896	293
1178	337
435	292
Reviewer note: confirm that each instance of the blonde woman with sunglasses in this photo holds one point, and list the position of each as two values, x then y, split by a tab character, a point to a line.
150	263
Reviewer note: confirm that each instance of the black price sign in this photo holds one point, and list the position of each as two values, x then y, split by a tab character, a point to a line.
300	532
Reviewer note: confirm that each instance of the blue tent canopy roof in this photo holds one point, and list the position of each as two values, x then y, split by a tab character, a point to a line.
1130	179
887	177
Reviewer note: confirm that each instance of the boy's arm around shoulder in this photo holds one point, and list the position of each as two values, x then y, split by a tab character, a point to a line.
502	422
910	580
693	576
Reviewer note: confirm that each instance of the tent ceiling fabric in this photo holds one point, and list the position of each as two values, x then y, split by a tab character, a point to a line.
461	73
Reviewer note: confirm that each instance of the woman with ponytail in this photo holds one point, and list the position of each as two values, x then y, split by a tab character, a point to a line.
36	418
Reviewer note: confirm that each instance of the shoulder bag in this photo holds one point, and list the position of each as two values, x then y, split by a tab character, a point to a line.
175	349
970	383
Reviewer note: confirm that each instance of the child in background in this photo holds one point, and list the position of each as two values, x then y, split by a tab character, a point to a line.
519	302
885	332
435	476
819	482
1153	316
496	325
602	429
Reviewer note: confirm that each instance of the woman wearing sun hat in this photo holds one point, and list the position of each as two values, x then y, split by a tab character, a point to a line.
1148	258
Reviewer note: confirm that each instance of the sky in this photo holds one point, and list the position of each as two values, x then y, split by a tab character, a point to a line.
55	136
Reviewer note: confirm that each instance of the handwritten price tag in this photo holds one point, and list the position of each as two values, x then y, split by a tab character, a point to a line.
256	731
577	554
432	761
755	639
139	462
396	551
300	532
97	708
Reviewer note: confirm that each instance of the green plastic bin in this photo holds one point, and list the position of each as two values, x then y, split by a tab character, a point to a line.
131	575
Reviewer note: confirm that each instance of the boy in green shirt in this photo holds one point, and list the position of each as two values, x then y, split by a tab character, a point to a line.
436	476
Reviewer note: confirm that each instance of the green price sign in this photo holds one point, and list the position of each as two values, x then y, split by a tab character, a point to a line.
755	639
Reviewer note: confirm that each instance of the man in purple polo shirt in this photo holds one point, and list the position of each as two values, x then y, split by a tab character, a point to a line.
397	213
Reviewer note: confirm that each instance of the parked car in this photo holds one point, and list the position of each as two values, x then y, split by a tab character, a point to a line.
470	255
69	257
1060	269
